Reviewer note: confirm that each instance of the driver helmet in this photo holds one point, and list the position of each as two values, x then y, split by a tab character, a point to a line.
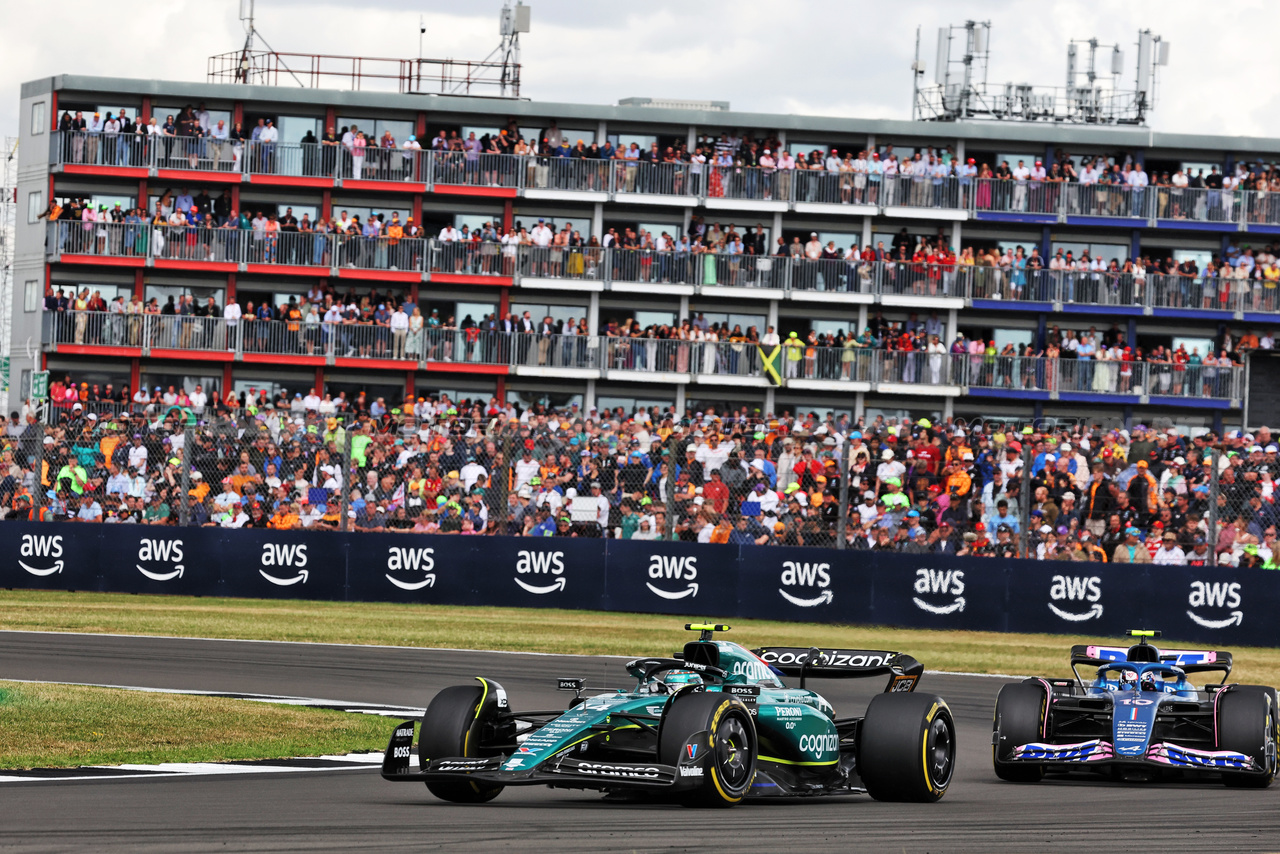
1150	682
682	677
1128	678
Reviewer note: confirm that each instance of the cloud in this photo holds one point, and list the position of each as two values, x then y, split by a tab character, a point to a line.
802	57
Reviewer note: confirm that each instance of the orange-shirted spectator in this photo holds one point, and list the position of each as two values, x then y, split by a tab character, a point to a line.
285	518
242	476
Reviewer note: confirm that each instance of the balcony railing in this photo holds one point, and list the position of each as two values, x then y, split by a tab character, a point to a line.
770	274
312	337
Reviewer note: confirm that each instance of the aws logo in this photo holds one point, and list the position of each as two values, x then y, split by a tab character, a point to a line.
939	582
161	551
1071	588
411	560
676	569
42	547
812	576
286	556
540	563
1216	594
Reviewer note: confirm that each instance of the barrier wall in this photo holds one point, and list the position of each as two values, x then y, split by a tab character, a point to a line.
1203	604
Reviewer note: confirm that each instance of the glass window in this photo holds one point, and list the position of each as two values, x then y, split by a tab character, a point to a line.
208	382
1200	345
624	140
109	292
474	222
35	205
31	296
163	293
1016	337
1200	256
477	311
38	121
651	318
558	400
558	313
294	128
1106	251
746	321
375	128
162	113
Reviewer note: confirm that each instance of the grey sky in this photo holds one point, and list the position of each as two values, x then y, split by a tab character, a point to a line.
833	58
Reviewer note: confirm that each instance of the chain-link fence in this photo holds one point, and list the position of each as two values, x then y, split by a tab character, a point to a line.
1054	491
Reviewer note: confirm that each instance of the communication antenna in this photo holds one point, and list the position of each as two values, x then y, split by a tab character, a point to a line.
511	23
247	71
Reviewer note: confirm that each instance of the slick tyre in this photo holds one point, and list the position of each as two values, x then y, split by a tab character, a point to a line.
907	747
730	744
1247	724
1019	719
451	726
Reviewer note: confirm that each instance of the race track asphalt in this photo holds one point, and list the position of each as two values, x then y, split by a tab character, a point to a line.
357	810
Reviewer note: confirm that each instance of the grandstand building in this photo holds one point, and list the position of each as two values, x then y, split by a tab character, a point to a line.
864	258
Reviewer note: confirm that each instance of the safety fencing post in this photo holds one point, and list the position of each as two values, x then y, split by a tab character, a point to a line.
842	518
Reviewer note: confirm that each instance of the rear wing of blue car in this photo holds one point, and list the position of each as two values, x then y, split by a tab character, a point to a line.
903	671
1190	660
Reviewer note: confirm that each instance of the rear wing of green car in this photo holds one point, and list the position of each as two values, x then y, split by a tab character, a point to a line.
903	671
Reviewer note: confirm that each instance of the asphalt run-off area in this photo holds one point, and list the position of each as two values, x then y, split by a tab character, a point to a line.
357	810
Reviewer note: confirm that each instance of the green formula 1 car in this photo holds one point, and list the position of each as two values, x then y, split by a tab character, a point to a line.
712	726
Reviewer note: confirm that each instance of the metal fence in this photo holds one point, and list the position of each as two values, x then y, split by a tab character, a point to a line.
621	177
705	481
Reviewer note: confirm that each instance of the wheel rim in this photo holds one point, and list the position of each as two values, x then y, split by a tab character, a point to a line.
940	752
733	757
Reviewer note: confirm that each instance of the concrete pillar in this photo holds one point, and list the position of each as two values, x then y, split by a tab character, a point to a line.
956	232
951	326
1046	243
871	143
589	396
692	140
862	319
680	399
866	232
948	408
597	221
684	309
1131	334
1135	242
773	314
774	232
593	314
960	150
770	401
686	220
602	132
859	406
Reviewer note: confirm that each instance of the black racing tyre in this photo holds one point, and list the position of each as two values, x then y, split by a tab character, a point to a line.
907	747
1019	719
451	727
1247	724
732	743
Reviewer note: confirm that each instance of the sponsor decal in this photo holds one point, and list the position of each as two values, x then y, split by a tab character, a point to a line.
692	750
820	744
401	752
811	577
754	671
1216	594
939	582
41	546
1060	753
411	560
461	764
285	556
160	551
1185	757
1069	589
831	658
673	568
514	762
630	771
530	562
404	732
788	712
690	770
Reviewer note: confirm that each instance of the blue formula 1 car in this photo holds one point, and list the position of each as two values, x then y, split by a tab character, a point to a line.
711	726
1139	718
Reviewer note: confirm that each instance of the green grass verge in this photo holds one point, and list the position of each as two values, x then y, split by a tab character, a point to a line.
536	630
58	726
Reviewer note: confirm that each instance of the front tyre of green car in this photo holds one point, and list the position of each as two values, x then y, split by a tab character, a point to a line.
907	747
451	726
732	745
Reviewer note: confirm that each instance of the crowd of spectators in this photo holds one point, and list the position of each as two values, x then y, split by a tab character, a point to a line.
433	465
